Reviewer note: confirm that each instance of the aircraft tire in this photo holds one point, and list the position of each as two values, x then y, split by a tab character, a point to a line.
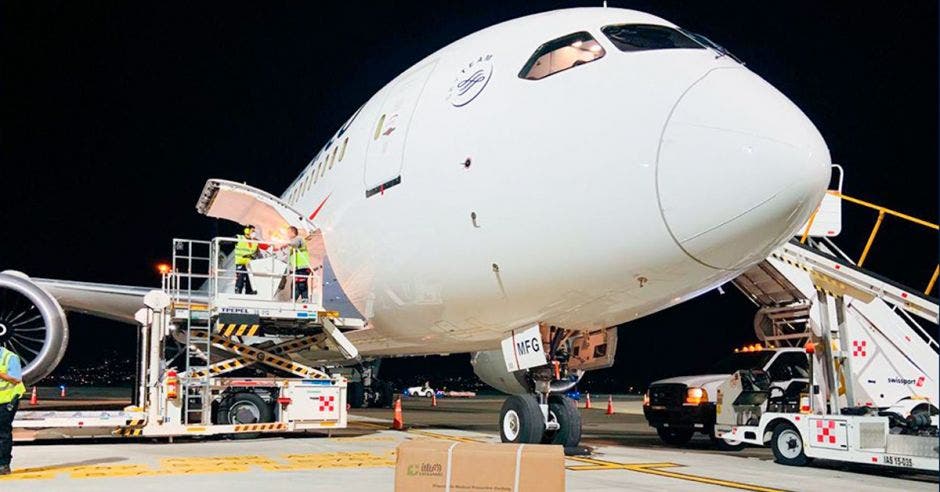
521	420
565	411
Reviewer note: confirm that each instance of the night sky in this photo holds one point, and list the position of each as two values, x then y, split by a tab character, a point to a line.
115	114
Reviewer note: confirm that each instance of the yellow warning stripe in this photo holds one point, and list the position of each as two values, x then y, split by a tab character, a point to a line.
229	365
260	427
238	330
128	432
269	359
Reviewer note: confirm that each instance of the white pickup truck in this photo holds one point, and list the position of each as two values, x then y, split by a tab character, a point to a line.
681	406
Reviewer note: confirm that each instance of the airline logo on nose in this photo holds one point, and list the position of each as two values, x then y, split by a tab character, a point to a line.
471	80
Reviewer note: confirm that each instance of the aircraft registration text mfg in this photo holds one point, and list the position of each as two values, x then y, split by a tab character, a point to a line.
523	350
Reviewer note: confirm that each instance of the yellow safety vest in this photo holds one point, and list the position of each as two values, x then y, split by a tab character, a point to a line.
244	250
299	258
9	391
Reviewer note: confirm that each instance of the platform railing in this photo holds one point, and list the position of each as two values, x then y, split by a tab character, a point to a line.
203	273
882	212
274	277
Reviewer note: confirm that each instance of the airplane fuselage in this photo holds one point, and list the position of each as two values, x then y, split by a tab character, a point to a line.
464	200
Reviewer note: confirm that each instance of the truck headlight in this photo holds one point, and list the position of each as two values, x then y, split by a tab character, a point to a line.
696	396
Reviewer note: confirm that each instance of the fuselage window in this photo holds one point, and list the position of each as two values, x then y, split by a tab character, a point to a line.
561	54
642	37
342	150
293	194
309	181
333	156
323	166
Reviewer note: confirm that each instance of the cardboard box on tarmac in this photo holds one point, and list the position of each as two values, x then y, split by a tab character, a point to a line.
463	466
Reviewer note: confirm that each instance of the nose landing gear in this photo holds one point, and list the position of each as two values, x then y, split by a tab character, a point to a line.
524	419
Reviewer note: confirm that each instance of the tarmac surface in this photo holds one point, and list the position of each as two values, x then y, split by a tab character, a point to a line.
627	455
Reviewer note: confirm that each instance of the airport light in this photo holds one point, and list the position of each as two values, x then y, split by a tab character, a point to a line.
163	268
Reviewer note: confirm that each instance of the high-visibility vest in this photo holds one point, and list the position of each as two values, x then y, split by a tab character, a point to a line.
9	391
299	258
244	250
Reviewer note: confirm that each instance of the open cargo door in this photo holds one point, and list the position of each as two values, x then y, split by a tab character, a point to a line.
271	216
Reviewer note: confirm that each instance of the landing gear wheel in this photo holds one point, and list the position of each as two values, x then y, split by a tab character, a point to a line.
355	392
521	420
675	437
244	408
787	445
385	394
564	411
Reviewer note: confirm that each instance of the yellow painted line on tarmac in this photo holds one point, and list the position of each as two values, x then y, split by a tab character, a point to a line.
593	464
446	437
193	465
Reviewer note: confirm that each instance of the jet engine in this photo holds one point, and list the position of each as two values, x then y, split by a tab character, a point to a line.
32	324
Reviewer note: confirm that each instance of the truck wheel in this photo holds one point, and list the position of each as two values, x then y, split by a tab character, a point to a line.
244	408
521	420
728	444
565	411
675	437
787	445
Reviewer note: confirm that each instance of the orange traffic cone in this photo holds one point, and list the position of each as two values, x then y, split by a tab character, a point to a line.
34	399
398	423
587	401
610	405
434	399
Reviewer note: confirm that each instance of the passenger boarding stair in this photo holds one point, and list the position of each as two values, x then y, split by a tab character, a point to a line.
895	357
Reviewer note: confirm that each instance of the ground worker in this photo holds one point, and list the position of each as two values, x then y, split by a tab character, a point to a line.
299	263
245	250
11	390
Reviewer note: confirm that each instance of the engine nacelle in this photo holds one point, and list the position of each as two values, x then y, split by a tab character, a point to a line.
491	369
32	324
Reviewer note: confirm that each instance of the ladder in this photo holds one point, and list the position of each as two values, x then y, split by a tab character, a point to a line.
192	268
197	391
807	292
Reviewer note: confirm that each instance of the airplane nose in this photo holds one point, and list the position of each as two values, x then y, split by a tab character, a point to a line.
740	168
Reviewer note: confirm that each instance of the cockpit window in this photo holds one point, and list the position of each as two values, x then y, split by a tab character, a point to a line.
642	37
561	54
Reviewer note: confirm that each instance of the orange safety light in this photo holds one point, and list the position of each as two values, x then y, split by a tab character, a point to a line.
810	347
172	385
696	396
163	268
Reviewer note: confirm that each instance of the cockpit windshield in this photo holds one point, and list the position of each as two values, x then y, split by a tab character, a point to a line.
561	54
642	37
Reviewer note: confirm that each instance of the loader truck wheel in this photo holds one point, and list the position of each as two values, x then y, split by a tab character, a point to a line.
244	408
787	445
675	437
521	420
564	411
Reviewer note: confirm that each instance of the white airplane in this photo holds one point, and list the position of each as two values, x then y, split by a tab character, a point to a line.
572	170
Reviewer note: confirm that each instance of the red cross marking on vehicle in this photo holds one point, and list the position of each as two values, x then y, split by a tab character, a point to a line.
824	430
326	403
859	348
